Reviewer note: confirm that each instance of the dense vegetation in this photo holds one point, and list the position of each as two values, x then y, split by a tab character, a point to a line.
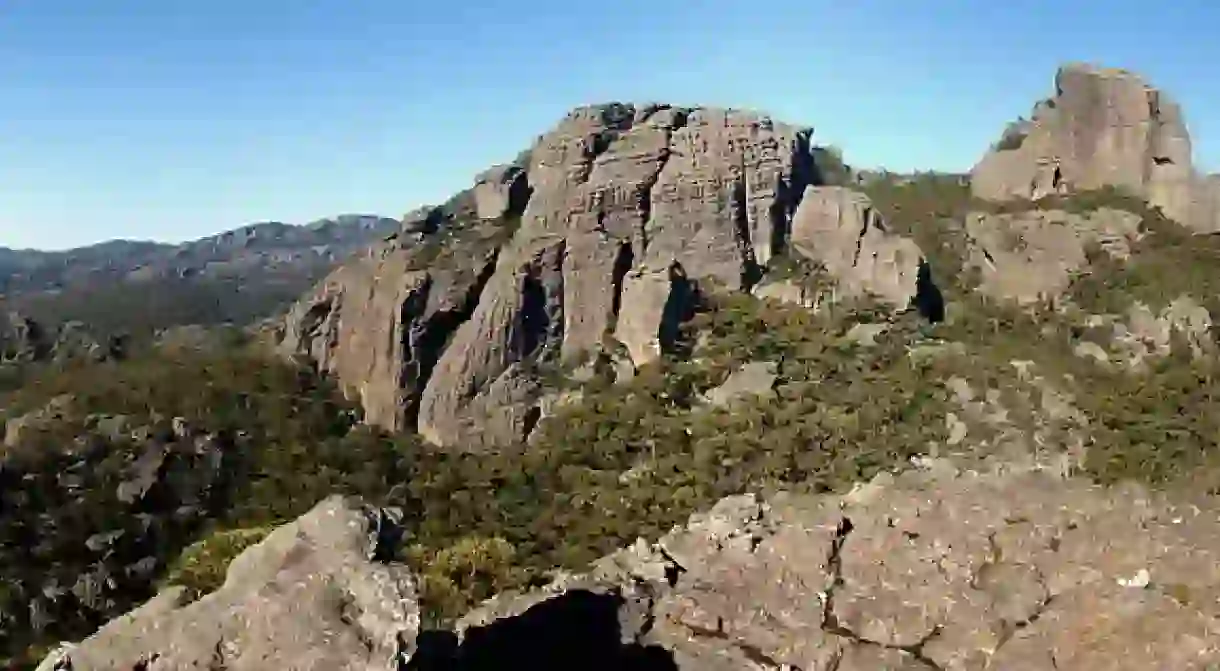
141	309
238	442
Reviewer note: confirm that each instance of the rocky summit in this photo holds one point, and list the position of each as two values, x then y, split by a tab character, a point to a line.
597	240
675	388
1102	127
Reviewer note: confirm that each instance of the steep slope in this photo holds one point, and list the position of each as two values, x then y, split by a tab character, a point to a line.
607	233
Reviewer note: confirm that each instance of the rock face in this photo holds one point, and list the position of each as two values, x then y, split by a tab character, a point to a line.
839	228
1028	256
1104	127
315	595
379	324
932	569
610	222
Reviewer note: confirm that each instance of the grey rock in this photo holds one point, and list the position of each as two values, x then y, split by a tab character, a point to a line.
838	227
501	191
753	379
56	410
380	323
314	595
1104	127
935	568
624	212
145	472
1034	255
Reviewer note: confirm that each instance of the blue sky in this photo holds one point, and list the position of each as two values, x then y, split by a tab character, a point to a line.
173	119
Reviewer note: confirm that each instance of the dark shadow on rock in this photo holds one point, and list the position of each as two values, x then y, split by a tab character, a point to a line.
679	308
929	301
578	630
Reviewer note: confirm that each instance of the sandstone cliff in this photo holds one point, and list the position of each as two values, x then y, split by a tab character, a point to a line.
1103	127
601	234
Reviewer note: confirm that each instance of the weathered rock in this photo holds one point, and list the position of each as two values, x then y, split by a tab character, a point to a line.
1104	127
838	227
1146	334
756	378
16	429
1031	255
519	317
501	191
931	569
787	291
380	323
316	594
625	211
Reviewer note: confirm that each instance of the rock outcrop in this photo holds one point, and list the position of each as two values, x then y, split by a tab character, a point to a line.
315	594
839	228
26	340
1032	255
610	223
932	569
935	568
1104	127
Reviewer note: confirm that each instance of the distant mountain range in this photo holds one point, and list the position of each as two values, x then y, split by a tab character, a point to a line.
133	286
257	248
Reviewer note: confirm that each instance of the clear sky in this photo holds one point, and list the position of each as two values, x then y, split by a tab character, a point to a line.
173	119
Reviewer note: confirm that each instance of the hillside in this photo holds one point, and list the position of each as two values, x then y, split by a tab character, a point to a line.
676	389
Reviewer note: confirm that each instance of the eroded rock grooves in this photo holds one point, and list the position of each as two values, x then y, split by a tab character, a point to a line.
618	213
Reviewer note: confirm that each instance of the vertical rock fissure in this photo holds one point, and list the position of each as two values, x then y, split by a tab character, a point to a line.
623	263
678	307
648	189
431	338
791	191
866	221
739	204
408	331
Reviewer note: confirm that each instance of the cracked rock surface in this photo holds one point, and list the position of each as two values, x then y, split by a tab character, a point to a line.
931	569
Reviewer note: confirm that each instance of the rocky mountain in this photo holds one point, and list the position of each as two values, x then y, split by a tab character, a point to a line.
596	243
263	246
235	277
674	389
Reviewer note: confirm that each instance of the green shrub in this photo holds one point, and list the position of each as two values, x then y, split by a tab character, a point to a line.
201	567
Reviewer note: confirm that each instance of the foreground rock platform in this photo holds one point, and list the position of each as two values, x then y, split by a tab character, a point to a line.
935	568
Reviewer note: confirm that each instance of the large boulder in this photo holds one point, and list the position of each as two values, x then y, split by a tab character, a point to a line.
839	228
317	594
1033	255
1104	127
